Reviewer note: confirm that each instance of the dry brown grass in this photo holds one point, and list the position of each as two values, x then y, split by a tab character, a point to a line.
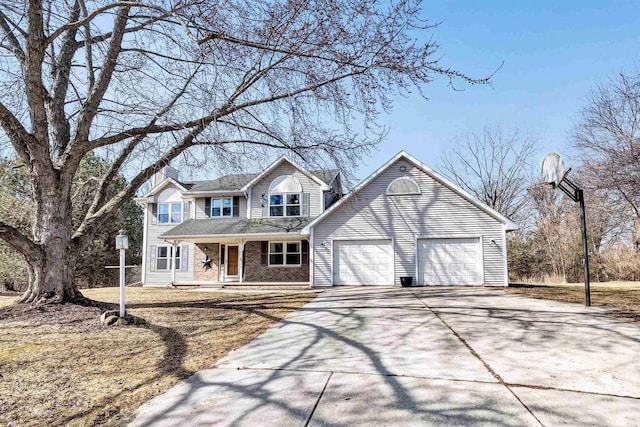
622	298
60	366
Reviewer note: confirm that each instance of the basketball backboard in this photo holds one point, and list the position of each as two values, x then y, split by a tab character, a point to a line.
553	169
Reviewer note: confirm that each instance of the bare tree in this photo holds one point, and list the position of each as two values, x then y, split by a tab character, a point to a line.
494	166
147	82
607	137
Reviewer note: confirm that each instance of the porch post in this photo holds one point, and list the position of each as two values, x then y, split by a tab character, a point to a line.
240	261
173	262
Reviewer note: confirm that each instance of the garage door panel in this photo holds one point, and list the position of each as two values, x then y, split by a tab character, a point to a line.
362	262
449	261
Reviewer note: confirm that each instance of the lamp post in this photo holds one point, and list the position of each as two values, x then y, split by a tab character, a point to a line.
122	244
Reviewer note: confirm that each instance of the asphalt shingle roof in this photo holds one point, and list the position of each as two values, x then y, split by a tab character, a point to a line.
237	181
236	226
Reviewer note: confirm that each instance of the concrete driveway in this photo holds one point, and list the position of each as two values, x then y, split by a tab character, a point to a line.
420	356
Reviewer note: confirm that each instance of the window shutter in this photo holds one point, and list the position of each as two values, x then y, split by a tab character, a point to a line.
186	209
154	213
236	206
305	205
152	257
264	253
207	206
184	257
305	252
265	206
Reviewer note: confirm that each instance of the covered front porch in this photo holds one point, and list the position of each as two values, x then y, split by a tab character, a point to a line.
270	251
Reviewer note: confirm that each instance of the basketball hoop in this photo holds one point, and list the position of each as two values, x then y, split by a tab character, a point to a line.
553	170
555	174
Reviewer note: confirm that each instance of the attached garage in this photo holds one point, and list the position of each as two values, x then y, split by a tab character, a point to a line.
406	220
363	262
450	261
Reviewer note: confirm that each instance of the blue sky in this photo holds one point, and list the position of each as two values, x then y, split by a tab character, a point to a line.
554	53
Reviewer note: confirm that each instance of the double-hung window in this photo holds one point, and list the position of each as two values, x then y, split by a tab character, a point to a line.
222	207
284	253
284	204
169	213
164	255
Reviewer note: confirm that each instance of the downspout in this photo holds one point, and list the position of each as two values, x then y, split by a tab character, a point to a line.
145	250
173	263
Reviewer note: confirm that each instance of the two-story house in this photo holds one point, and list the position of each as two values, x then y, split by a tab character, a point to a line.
288	224
237	228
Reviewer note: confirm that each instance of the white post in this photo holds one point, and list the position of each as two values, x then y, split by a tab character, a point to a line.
122	244
122	261
240	260
173	264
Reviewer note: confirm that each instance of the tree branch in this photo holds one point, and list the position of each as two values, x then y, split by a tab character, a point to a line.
20	242
60	131
18	135
13	41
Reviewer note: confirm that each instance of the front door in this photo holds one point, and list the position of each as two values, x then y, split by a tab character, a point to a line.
232	260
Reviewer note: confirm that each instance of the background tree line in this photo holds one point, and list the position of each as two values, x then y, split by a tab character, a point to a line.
497	167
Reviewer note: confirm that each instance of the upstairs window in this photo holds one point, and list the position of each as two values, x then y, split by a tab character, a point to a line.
222	207
284	204
169	213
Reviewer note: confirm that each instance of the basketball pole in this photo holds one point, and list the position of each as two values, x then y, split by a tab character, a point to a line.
554	173
583	221
577	195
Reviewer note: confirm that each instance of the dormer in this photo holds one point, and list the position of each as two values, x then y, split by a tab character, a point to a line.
285	189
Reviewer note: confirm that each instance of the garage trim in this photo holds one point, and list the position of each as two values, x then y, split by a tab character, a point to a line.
450	236
393	252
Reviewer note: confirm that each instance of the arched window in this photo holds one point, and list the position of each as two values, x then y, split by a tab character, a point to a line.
403	186
285	184
285	194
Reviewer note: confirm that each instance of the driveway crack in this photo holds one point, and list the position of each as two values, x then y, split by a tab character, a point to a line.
477	356
318	400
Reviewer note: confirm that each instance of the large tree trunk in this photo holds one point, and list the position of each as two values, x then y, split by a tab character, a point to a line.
52	280
51	276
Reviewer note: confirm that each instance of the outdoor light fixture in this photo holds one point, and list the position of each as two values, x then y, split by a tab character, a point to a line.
122	241
122	244
403	168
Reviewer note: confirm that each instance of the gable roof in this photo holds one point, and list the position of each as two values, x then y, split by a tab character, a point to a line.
182	186
224	183
426	169
238	183
272	166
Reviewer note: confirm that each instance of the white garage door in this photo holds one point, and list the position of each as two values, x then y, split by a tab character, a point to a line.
452	261
362	262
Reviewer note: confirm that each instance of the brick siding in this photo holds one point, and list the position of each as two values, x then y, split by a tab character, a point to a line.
200	250
254	271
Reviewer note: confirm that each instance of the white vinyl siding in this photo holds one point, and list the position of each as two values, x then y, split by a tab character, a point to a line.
358	262
436	212
153	276
309	186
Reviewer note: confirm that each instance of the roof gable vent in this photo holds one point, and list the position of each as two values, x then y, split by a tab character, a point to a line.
403	186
